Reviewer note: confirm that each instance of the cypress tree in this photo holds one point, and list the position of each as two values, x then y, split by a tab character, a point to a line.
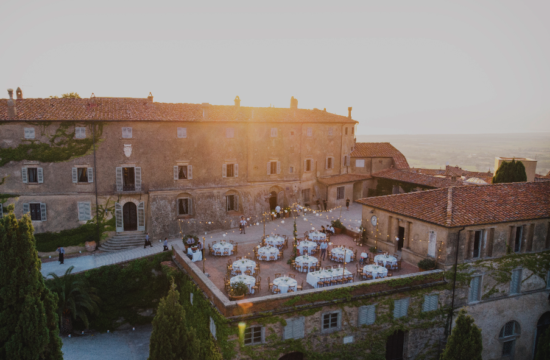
543	347
465	340
28	320
171	339
509	172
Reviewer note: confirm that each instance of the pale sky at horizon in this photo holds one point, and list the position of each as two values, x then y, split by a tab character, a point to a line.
407	68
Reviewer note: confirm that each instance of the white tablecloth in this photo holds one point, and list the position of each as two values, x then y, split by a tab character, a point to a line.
268	251
308	261
339	252
383	259
242	265
376	271
314	277
274	240
220	247
248	280
284	283
197	255
190	241
307	246
317	236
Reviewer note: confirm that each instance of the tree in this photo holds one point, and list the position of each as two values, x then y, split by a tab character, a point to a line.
509	172
543	348
28	320
76	299
71	95
171	339
465	340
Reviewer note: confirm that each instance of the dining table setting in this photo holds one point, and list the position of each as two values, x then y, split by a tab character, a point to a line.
332	274
376	271
243	265
317	236
306	246
222	248
341	253
283	283
305	262
266	253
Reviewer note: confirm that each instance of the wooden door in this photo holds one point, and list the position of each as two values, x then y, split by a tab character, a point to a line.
130	216
394	346
401	236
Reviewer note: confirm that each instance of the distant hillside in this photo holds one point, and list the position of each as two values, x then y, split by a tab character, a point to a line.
471	152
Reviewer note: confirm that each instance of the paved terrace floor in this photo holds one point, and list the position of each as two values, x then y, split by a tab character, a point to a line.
351	219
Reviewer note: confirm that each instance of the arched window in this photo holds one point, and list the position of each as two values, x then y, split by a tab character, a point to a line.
508	335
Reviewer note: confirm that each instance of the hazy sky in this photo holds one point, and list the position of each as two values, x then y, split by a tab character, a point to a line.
405	67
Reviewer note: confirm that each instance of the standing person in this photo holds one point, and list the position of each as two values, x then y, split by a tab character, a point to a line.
165	244
324	246
61	252
347	203
318	205
199	245
242	225
278	211
325	204
147	241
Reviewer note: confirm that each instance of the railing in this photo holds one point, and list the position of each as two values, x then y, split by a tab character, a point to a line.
129	188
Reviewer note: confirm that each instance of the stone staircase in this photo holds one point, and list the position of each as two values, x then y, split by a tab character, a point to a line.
124	241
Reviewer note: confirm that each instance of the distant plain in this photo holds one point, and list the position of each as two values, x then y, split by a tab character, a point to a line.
471	152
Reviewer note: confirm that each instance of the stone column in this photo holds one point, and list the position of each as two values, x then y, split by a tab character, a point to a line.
407	235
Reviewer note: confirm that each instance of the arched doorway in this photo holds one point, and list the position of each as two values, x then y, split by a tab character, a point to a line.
273	201
394	346
296	355
129	212
542	325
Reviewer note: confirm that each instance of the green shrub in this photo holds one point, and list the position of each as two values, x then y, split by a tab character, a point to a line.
239	288
338	224
427	264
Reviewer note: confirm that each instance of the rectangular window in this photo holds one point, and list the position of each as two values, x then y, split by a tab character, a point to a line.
273	167
308	165
274	132
183	206
126	132
182	172
291	170
294	328
32	175
331	321
80	132
518	237
129	179
230	133
548	280
340	193
182	133
191	298
359	163
36	213
367	315
400	308
346	130
430	302
84	211
231	202
82	174
253	335
508	347
305	195
330	131
212	328
515	282
475	289
309	131
478	237
329	163
29	133
230	170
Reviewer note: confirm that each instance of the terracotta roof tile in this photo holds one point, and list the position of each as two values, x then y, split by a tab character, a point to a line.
368	150
346	178
471	205
124	109
414	178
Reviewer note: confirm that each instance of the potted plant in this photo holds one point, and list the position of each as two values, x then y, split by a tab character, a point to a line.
186	237
287	212
427	264
238	290
338	226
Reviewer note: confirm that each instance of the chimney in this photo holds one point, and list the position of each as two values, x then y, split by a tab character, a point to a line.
19	93
293	103
237	102
150	97
12	110
349	112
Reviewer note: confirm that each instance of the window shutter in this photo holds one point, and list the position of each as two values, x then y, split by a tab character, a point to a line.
397	309
141	216
326	163
371	314
90	175
236	202
137	172
298	328
119	179
363	311
288	331
43	214
189	171
278	167
339	320
40	175
224	170
80	211
75	175
548	280
88	211
213	327
24	176
305	164
176	177
474	288
227	203
404	307
26	208
190	206
118	216
182	133
1	211
269	168
515	282
434	301
235	170
426	304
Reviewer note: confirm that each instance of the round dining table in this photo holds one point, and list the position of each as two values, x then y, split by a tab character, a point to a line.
304	263
248	280
306	246
242	265
221	247
385	259
285	282
268	252
317	236
274	240
339	253
376	271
